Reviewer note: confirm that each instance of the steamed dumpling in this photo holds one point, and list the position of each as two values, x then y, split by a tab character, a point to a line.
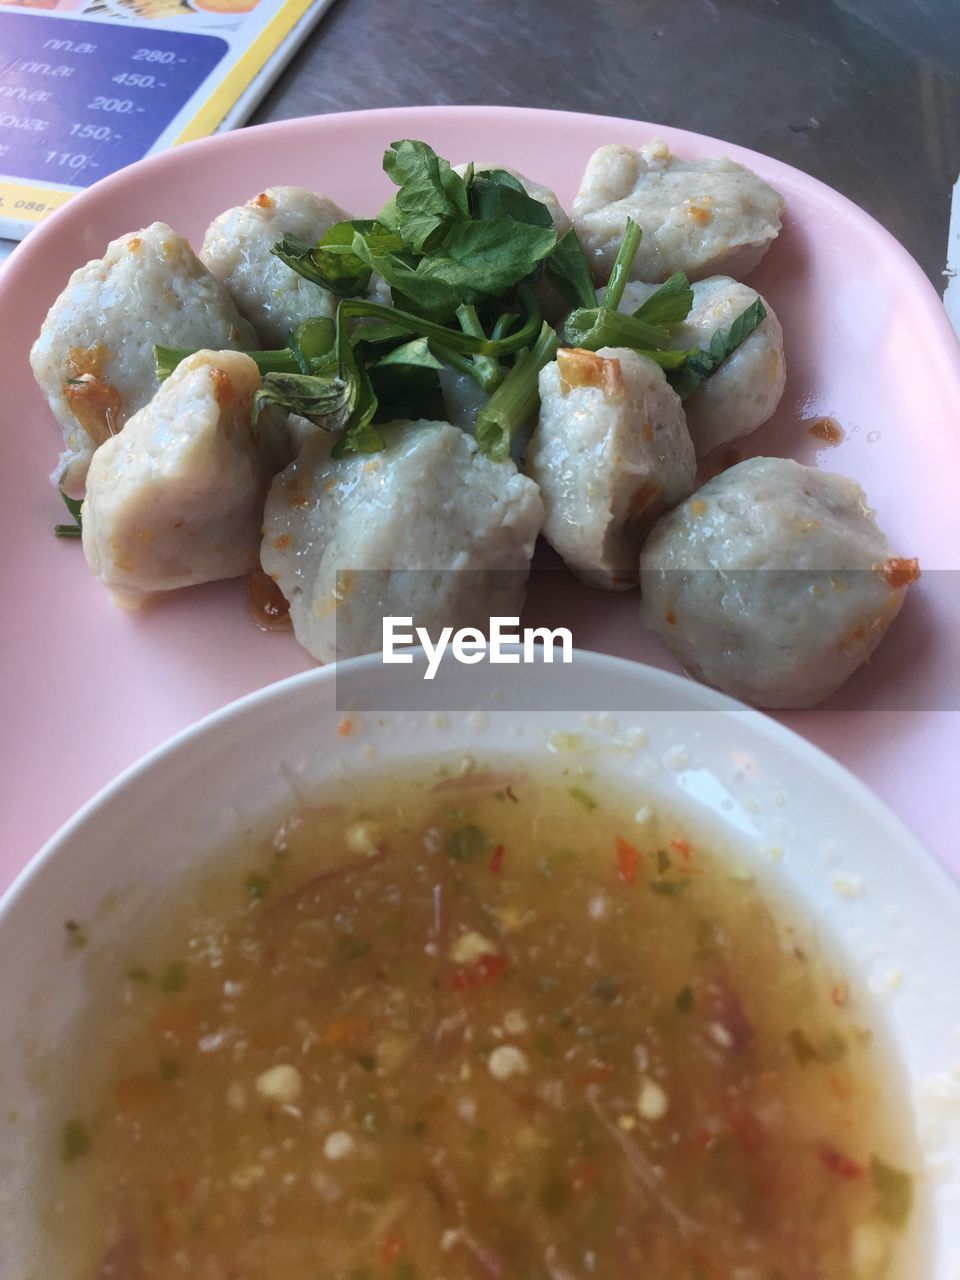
744	392
610	454
177	497
94	357
427	528
236	248
773	582
704	217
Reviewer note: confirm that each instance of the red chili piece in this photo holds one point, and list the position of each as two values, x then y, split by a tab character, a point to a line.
839	1163
628	859
470	976
748	1131
392	1247
593	1075
681	846
496	859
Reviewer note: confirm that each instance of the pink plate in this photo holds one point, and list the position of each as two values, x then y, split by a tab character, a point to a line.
87	689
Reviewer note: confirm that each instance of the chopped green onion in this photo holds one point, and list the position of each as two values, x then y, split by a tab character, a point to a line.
257	885
174	977
620	272
894	1190
582	797
283	360
74	1141
77	937
515	400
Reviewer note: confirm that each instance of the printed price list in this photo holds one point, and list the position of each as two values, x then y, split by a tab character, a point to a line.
79	100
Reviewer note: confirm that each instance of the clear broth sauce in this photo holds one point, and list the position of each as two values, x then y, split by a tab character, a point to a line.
483	1027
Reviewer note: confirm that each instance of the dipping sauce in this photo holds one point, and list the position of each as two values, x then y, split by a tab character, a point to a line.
828	430
482	1027
266	603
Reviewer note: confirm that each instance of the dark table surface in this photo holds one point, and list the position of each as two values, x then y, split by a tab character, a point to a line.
863	94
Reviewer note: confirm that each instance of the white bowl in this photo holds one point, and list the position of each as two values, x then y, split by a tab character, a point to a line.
789	808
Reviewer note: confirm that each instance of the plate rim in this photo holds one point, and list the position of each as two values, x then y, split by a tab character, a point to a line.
75	208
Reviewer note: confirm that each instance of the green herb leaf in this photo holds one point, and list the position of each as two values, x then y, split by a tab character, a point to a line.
74	530
73	505
485	258
341	273
407	384
378	332
804	1050
139	973
669	888
415	353
431	197
362	438
670	359
361	400
582	797
389	216
406	393
830	1048
257	885
339	401
432	299
669	305
77	937
351	948
332	262
467	843
701	364
494	192
568	271
605	989
894	1190
74	1141
322	400
174	977
169	1068
367	1062
684	1000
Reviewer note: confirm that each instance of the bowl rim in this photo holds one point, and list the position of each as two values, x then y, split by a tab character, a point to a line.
676	703
682	689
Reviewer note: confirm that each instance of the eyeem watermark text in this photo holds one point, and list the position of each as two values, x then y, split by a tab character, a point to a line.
506	643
